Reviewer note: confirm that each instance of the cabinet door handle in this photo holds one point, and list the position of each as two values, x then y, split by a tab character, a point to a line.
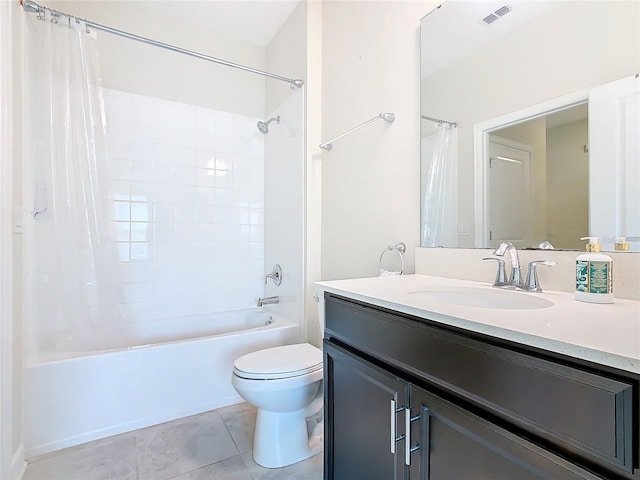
394	412
407	441
426	441
393	426
408	449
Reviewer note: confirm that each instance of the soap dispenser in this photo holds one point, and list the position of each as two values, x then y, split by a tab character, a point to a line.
621	244
594	274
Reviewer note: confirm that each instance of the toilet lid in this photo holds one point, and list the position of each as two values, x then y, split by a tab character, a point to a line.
279	362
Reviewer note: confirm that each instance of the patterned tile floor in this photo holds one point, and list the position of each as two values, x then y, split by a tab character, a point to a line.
214	445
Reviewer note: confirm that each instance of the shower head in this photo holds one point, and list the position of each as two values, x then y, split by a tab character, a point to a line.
264	126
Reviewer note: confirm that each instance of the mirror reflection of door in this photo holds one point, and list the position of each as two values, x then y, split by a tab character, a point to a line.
559	172
615	162
511	196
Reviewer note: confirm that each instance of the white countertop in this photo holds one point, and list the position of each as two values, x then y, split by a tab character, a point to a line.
608	334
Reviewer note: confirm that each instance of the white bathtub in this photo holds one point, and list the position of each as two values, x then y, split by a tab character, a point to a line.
76	400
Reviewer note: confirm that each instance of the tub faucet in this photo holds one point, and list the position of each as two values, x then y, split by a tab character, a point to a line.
267	300
515	279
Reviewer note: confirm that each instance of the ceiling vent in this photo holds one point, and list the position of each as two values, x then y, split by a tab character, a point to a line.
492	17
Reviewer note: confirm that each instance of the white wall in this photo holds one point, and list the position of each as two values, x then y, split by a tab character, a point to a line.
371	179
284	207
313	169
567	185
284	167
286	55
11	375
139	68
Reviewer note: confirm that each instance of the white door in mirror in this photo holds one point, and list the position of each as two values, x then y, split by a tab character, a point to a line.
614	160
511	195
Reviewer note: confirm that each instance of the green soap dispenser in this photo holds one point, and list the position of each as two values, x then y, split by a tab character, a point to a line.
594	274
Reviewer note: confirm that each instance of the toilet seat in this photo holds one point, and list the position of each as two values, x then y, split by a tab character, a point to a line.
279	362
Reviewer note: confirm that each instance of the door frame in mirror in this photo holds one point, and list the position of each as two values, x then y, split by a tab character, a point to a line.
481	133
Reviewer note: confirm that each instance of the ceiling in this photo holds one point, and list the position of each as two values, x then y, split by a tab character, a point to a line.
254	22
455	29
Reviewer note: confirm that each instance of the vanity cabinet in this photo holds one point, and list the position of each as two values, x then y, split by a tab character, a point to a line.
407	398
365	403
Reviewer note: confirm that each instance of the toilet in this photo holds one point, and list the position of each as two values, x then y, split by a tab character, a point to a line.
285	385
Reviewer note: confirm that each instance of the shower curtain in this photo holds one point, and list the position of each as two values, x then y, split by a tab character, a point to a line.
72	297
439	188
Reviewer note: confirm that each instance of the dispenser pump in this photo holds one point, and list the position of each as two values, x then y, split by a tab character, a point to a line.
593	245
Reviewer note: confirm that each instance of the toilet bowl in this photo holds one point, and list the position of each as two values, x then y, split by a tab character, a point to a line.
285	384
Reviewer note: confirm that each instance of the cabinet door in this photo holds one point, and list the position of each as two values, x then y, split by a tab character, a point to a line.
456	444
364	412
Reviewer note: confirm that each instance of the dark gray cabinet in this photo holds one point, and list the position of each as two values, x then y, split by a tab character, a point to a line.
455	444
365	403
406	398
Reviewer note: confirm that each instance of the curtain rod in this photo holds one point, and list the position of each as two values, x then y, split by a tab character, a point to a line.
387	117
30	6
437	120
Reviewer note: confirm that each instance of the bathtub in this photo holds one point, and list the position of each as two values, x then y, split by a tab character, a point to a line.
95	395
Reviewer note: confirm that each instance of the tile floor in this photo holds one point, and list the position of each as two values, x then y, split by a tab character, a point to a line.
215	445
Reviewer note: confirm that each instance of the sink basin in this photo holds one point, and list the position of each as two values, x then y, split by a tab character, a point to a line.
478	297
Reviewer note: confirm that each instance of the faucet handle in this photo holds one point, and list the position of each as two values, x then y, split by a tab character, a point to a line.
501	274
275	275
532	284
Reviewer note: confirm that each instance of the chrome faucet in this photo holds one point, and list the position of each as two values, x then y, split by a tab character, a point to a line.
532	284
515	279
268	300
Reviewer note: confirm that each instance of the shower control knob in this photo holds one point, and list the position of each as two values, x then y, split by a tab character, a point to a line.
276	275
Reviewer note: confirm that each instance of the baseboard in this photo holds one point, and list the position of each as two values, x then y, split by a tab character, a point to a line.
18	465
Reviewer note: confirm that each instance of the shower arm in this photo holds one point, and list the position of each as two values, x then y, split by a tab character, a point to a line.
387	117
30	6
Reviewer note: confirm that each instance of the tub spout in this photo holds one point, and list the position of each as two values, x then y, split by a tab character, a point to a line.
267	300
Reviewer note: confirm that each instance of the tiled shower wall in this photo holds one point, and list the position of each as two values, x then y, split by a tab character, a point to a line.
188	190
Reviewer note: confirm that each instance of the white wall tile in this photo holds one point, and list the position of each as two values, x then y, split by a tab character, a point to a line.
141	191
122	211
118	148
121	189
141	150
188	184
184	214
164	232
141	231
186	155
185	175
141	252
123	230
223	179
141	211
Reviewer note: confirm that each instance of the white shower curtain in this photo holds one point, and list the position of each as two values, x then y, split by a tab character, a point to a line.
439	188
72	285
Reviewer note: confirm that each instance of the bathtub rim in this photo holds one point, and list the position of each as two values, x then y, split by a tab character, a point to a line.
277	322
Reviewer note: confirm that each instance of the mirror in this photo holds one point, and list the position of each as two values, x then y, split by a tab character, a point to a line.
513	78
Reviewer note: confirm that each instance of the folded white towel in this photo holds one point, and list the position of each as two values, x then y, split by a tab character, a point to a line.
387	273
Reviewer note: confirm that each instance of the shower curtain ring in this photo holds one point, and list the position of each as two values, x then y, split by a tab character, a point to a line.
40	15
